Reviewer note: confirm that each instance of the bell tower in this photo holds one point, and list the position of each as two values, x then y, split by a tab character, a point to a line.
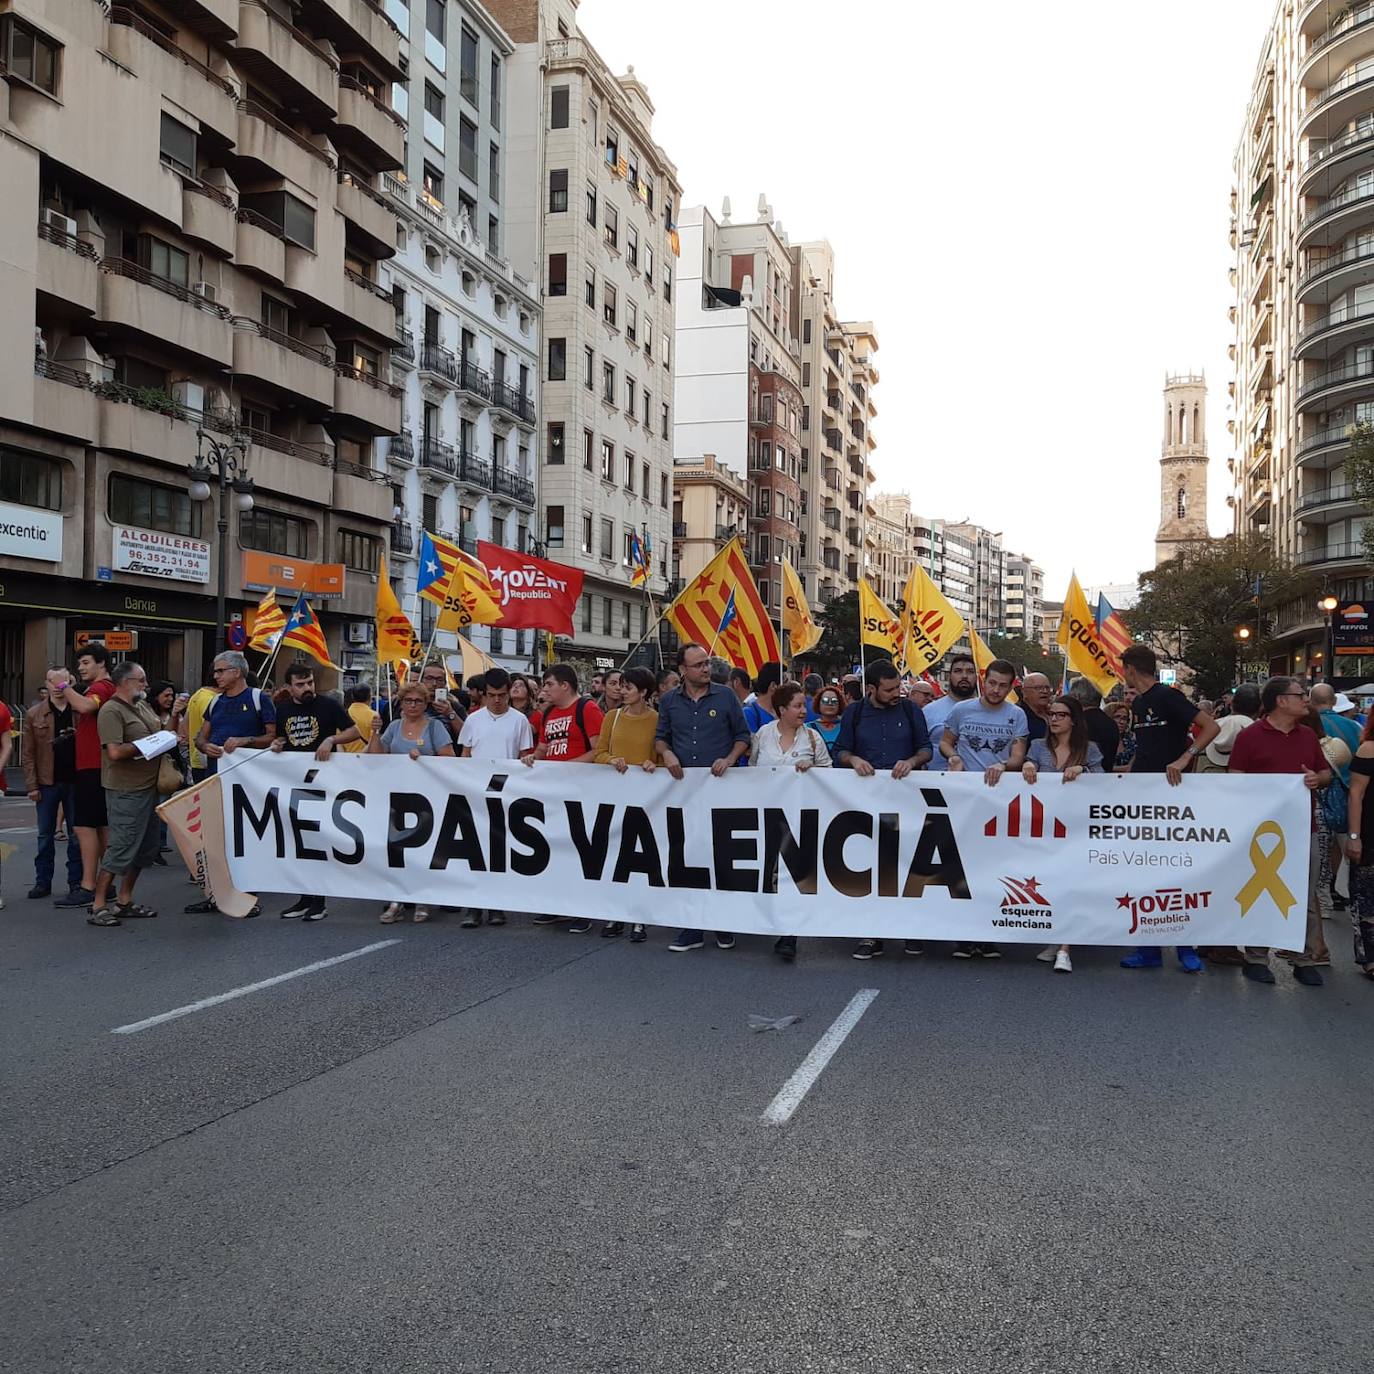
1183	466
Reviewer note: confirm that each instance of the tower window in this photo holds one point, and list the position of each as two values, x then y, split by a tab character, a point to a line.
1182	503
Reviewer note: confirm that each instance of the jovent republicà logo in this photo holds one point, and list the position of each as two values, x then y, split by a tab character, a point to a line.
1166	908
1024	905
1032	825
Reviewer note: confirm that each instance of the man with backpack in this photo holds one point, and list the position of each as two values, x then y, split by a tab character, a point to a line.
883	730
240	717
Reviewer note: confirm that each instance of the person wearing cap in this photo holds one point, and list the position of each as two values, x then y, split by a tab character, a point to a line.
1245	704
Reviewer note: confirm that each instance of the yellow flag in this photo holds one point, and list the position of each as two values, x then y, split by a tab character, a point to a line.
466	602
877	625
396	637
802	632
982	655
1079	638
474	659
930	626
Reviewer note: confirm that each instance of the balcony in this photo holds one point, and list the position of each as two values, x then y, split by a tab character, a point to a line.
438	363
474	381
146	422
368	304
163	311
830	519
725	533
1330	221
259	245
287	61
437	456
367	399
508	483
400	448
1330	554
402	539
367	211
63	402
1329	164
1333	502
1338	104
349	23
833	441
207	215
475	472
508	398
290	467
1335	330
679	529
283	362
372	131
180	77
360	491
1348	40
1335	385
833	478
1326	448
403	350
276	149
68	271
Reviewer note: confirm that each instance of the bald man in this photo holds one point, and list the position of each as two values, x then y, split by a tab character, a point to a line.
921	692
1035	691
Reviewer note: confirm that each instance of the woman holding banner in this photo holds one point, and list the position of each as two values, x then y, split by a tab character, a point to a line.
1066	750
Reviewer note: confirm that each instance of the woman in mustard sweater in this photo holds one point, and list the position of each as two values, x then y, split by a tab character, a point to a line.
627	741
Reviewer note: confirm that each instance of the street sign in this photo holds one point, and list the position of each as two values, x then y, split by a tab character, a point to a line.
104	574
116	641
1168	676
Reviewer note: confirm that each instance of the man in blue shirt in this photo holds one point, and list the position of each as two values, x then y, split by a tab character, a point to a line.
759	712
240	717
700	725
885	731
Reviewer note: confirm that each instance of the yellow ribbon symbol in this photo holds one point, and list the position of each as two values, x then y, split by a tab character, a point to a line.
1266	875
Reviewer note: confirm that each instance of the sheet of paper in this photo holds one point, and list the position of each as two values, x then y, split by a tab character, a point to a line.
151	746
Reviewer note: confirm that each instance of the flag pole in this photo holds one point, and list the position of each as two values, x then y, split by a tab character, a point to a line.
644	639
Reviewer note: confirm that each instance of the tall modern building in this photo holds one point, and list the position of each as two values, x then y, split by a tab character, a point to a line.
195	242
465	462
592	199
837	440
1302	230
988	597
737	383
1024	596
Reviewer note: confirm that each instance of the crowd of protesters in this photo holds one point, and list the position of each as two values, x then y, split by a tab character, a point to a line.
82	762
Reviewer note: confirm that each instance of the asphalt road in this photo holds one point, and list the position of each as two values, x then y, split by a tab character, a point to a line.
526	1150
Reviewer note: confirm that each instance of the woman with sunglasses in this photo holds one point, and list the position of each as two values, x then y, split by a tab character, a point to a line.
828	705
1066	750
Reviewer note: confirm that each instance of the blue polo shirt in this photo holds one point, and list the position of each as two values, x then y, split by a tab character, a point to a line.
700	732
245	716
883	735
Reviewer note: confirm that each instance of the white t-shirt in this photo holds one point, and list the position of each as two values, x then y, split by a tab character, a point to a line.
506	736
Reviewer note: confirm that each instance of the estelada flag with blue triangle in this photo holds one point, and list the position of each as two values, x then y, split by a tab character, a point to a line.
639	559
438	558
747	638
303	632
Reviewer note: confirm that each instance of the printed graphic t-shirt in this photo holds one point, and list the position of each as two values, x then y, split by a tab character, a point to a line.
559	734
984	734
305	725
1162	718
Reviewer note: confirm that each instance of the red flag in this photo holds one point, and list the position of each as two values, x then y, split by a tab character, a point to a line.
534	593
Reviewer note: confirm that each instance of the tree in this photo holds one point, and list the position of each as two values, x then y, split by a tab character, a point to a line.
1026	653
838	649
1192	606
1359	472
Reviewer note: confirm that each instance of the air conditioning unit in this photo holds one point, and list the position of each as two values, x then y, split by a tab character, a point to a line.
189	396
359	632
63	223
204	290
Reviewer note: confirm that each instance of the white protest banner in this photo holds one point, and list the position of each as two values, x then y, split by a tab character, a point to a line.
195	821
1103	860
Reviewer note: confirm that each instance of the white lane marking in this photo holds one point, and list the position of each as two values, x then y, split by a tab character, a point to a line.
249	987
780	1109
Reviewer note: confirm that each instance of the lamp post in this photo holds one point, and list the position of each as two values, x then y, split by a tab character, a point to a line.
227	467
1330	604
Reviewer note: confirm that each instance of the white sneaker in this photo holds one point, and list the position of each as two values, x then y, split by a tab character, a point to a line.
1048	954
1061	962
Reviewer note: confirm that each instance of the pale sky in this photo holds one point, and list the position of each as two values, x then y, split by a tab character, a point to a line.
1030	202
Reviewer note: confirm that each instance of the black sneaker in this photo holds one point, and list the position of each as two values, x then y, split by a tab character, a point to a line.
964	950
638	935
77	897
989	951
202	908
579	927
496	918
36	892
547	920
1258	973
724	940
298	908
1307	975
471	921
867	949
316	913
786	947
611	929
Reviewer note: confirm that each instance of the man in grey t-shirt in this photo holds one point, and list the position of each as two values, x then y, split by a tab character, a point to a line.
986	736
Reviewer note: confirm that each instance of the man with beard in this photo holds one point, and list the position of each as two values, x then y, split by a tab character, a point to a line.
310	723
961	686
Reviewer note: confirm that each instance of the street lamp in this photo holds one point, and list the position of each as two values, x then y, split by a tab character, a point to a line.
227	468
1329	604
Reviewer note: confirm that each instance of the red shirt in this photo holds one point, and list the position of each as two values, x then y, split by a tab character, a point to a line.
559	733
1264	748
6	726
87	732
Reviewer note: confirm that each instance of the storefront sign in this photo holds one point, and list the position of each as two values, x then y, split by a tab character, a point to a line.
29	533
264	570
155	553
1352	629
65	596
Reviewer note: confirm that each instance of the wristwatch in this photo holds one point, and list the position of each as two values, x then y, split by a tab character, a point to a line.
1353	835
1193	750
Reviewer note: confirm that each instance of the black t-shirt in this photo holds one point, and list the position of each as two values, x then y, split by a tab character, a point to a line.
1103	733
63	744
304	725
1162	717
1037	727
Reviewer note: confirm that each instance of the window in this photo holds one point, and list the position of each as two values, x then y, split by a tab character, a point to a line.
434	101
648	338
29	480
468	62
558	274
806	374
589	291
665	421
294	219
631	321
558	108
608	460
806	331
589	369
30	55
494	172
644	482
434	18
429	510
668	221
608	544
433	182
467	148
632	247
553	526
162	260
177	146
268	531
607	606
629	471
558	360
766	408
558	191
649	265
806	418
591	205
612	229
626	611
628	557
587	548
495	91
608	303
632	166
587	609
612	148
494	235
648	407
630	397
588	449
663	341
555	442
608	383
359	551
663	488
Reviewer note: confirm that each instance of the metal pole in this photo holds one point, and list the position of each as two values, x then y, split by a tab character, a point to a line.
222	526
1330	646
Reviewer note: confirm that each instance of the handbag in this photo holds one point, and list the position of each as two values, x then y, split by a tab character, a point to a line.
169	779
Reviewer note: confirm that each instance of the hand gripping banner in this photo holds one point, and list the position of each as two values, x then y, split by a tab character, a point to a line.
1103	860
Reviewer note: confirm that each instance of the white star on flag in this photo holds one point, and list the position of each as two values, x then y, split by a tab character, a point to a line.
431	568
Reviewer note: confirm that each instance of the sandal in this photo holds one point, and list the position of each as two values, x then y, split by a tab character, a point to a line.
103	917
421	914
132	910
392	914
200	908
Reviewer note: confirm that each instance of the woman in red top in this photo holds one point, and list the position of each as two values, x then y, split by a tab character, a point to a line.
88	816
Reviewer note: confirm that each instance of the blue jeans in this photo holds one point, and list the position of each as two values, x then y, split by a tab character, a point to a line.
52	796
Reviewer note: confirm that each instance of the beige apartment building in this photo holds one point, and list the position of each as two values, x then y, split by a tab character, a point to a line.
192	236
1024	596
1302	229
709	499
592	201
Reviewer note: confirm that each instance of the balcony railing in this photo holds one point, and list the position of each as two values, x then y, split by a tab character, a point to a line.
1334	318
507	482
349	83
60	372
679	529
402	539
245	215
260	112
401	447
1351	81
368	284
362	470
306	350
128	19
122	267
403	350
437	359
1318	266
1340	434
438	456
1327	496
371	379
312	452
1338	145
301	37
476	472
1337	376
1356	17
203	188
725	533
1332	553
472	378
68	241
509	398
1351	196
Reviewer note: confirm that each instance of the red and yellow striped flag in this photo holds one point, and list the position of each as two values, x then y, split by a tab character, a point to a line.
269	620
749	639
1112	632
303	632
434	583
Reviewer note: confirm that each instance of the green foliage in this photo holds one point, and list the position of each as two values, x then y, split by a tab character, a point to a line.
1027	654
1191	606
1359	473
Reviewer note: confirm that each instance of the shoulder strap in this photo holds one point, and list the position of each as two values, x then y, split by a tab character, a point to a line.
580	715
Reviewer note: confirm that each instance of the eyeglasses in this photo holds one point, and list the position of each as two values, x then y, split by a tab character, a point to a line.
1301	696
215	672
1061	715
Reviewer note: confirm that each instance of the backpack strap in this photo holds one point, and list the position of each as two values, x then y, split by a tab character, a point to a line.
580	715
